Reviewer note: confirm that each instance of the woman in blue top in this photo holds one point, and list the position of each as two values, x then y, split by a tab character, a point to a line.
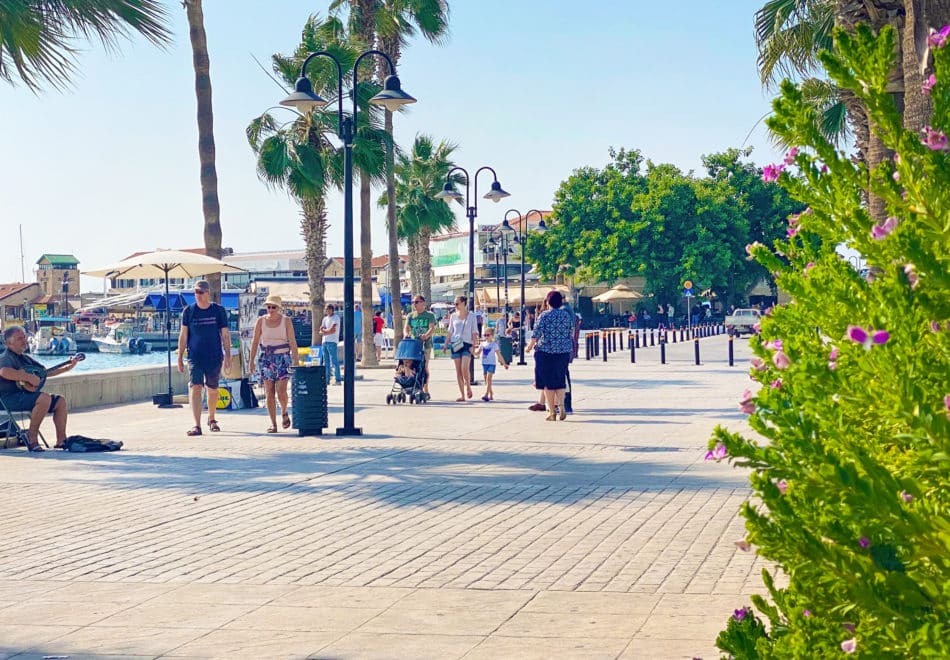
553	337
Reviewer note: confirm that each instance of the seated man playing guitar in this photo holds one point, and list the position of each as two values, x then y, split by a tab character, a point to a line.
20	387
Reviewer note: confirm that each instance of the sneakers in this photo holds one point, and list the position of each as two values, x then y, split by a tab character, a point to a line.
338	382
537	407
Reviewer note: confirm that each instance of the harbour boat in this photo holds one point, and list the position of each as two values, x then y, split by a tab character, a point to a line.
121	340
52	340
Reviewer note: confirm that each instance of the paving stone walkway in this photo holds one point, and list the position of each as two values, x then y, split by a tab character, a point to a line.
474	530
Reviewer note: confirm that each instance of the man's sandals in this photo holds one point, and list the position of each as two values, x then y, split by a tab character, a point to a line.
196	430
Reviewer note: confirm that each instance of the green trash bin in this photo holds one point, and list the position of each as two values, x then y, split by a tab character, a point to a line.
504	344
309	392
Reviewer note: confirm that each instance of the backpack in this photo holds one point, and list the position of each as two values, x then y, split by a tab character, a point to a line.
80	443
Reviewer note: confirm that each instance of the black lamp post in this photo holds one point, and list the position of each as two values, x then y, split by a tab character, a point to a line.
521	237
471	210
492	249
66	298
305	100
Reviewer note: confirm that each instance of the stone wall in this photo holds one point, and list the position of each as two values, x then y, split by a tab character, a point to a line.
123	385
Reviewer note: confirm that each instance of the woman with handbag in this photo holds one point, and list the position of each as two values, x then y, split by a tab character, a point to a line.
462	340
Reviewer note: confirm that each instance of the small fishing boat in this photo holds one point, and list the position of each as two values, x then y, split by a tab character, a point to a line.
52	340
121	340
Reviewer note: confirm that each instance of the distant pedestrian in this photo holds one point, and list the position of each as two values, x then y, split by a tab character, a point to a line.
358	330
330	329
204	332
490	353
378	325
553	337
462	340
420	324
274	334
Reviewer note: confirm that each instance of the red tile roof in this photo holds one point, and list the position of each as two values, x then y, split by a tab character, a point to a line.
7	290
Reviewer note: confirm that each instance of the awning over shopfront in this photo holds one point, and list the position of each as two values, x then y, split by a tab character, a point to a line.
535	295
298	291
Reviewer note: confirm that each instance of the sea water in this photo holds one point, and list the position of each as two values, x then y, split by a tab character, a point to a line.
102	361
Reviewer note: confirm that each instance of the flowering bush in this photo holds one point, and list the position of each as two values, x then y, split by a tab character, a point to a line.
851	472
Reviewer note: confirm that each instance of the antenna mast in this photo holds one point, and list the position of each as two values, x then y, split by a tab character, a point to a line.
22	262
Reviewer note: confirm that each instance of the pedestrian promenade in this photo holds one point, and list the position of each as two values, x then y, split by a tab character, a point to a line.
475	530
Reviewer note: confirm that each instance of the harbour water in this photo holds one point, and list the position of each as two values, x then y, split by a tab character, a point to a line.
102	361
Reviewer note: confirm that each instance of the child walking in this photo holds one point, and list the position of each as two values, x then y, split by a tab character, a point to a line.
491	354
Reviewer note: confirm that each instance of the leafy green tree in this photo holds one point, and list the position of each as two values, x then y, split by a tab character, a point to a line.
850	462
299	155
419	175
37	36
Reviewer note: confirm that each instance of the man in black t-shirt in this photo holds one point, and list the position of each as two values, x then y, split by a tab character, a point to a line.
204	331
13	365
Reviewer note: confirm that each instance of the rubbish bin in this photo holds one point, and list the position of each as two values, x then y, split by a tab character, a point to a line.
504	345
309	392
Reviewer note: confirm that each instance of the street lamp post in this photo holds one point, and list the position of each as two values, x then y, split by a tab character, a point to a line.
66	298
304	99
496	194
492	249
521	237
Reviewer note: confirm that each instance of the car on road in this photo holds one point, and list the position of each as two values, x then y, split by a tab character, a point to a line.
743	321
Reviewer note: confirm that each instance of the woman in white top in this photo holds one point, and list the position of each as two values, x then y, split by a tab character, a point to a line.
274	333
462	340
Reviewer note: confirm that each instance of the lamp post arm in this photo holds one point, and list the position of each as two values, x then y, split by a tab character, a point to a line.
339	82
356	66
477	172
448	178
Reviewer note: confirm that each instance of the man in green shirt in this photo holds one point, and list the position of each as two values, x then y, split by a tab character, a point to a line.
420	324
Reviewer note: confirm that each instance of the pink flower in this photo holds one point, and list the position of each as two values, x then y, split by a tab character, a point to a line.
776	384
806	612
934	140
907	497
849	645
910	270
782	486
739	614
790	156
791	231
774	344
937	39
781	360
832	366
896	176
880	231
751	246
896	157
929	83
717	453
770	173
935	326
758	364
833	355
868	338
746	404
946	404
756	328
808	267
864	542
824	169
743	545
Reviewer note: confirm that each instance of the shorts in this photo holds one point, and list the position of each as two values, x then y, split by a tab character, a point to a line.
488	368
378	340
24	401
465	352
205	374
275	366
550	370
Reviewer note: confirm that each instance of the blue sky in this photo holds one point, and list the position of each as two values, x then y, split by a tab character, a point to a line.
534	89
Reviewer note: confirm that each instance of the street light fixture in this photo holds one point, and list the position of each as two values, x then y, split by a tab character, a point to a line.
521	237
495	194
304	99
499	241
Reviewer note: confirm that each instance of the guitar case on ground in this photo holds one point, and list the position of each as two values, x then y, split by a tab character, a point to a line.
80	443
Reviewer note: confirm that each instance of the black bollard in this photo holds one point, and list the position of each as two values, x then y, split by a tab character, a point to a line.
587	345
731	357
613	340
682	335
652	343
636	338
633	350
696	350
674	335
662	353
603	338
620	332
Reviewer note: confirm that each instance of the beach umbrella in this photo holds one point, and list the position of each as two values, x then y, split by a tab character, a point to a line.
616	294
165	264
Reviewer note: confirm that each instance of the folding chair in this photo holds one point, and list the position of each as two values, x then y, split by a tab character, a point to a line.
13	427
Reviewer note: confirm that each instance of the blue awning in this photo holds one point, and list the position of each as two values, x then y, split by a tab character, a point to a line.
179	300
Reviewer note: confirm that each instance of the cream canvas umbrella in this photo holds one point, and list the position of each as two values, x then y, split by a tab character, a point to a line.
617	294
165	264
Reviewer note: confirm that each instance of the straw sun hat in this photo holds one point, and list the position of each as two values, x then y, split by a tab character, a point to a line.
274	300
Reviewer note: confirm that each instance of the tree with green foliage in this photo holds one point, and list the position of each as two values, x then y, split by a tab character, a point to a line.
664	225
300	157
850	465
419	175
37	37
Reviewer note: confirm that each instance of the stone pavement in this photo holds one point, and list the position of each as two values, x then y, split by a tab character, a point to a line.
474	530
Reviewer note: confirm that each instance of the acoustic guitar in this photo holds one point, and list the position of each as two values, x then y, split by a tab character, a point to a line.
41	373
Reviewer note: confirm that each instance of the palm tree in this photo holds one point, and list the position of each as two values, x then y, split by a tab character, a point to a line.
300	155
388	25
37	36
206	153
419	175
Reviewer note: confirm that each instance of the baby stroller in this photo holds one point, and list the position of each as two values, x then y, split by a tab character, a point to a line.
406	387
